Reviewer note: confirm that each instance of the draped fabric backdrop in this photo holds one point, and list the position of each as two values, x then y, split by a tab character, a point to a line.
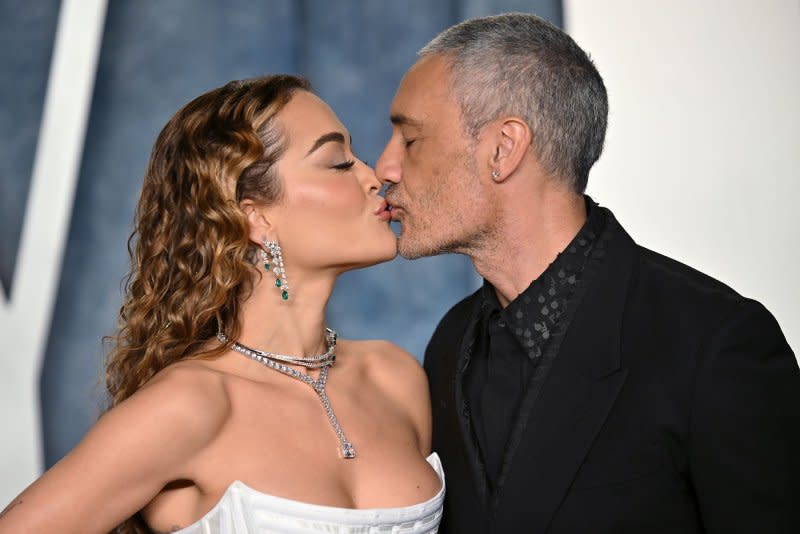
701	160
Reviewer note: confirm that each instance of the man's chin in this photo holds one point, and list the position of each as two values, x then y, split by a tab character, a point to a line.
412	249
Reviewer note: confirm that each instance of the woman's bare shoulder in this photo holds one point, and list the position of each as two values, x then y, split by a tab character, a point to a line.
179	412
194	393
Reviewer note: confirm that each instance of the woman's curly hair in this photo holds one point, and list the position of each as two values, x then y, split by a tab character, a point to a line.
192	262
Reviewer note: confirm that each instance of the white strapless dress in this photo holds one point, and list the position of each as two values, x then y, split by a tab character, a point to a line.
243	510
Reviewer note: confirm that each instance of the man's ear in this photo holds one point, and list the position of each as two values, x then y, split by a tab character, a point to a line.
258	220
512	140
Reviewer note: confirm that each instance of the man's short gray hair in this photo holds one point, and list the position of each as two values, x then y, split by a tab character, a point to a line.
519	64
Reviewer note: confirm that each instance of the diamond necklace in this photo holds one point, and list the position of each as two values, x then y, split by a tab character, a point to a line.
322	362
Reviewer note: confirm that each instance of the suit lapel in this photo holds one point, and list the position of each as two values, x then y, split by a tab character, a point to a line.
555	432
473	457
447	354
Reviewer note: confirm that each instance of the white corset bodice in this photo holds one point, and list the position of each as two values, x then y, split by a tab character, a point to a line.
243	510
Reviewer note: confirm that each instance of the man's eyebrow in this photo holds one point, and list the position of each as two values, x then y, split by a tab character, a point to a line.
398	119
336	137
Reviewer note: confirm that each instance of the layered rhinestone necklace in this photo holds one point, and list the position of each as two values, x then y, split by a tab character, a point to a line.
323	362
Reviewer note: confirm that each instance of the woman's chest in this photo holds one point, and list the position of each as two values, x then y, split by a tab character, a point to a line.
289	446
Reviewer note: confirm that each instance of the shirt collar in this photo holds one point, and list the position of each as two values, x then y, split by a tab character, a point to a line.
535	312
571	259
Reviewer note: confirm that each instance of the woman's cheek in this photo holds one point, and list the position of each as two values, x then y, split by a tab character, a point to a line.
337	198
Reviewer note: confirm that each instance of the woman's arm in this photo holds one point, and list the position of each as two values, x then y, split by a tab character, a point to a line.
129	455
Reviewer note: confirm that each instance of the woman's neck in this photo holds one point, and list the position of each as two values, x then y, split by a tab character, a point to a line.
295	326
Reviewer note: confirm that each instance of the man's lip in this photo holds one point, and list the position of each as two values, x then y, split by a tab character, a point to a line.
395	211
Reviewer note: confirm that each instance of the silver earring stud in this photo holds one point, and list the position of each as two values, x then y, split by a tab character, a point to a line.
495	174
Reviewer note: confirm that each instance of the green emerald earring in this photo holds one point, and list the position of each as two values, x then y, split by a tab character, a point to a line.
275	264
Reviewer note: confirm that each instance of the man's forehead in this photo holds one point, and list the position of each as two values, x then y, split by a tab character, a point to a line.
426	84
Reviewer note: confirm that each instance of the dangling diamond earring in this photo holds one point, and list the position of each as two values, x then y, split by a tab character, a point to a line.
276	264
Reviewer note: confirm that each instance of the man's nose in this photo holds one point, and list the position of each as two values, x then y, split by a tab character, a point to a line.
387	168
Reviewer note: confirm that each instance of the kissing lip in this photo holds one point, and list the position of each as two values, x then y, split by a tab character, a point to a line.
383	212
391	203
384	206
395	211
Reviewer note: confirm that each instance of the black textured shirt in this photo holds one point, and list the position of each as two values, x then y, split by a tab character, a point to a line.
511	341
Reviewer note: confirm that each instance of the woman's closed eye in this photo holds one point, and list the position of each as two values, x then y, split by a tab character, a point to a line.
345	165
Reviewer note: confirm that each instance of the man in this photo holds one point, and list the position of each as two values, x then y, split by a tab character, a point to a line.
590	385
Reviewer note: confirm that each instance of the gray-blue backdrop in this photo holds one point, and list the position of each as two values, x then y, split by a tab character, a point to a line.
155	57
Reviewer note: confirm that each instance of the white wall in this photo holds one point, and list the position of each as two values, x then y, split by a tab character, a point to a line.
702	158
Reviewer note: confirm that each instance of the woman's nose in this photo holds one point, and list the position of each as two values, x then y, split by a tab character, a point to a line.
369	179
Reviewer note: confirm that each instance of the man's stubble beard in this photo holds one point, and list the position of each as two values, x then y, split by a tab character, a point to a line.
468	245
469	239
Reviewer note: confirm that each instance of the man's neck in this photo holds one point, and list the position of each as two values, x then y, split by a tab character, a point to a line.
527	244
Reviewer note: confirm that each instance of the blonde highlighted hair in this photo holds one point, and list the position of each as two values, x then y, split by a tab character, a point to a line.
192	263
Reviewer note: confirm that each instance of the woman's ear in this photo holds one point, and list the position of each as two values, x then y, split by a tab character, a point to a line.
258	220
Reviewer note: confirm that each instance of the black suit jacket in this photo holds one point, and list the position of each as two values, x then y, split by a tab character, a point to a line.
673	405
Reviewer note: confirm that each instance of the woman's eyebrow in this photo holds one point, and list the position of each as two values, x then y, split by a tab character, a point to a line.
336	137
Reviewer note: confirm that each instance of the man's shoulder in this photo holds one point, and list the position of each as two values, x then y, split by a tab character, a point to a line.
656	271
680	298
662	286
681	281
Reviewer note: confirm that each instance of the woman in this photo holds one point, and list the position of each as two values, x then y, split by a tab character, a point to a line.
228	415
